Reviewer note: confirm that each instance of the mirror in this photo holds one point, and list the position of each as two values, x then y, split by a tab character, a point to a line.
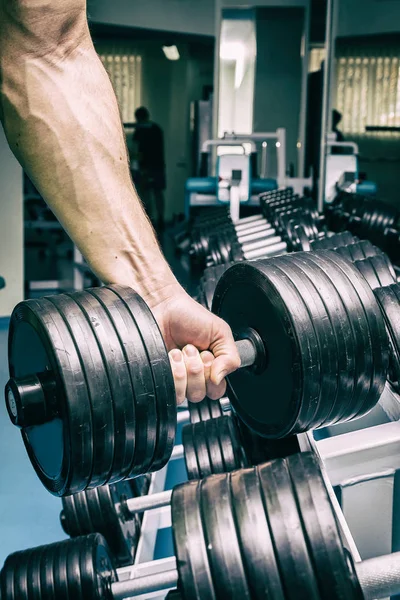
360	134
363	95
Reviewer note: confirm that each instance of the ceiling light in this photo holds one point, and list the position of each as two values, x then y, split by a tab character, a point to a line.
171	52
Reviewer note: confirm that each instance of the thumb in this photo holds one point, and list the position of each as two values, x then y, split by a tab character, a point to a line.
226	355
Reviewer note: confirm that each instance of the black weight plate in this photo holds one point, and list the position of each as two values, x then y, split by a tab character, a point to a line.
61	450
190	545
367	271
388	301
279	316
345	344
222	542
83	513
74	575
141	381
60	571
69	519
190	452
345	252
212	433
204	410
232	451
295	563
376	330
201	449
119	528
255	537
21	577
7	586
46	573
33	574
97	566
324	334
140	485
162	374
321	528
144	424
118	379
382	269
369	249
356	252
359	326
97	385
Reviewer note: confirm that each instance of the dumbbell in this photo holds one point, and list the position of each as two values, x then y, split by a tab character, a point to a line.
223	250
217	445
255	227
102	510
389	298
242	232
266	532
367	218
349	246
310	317
290	237
209	447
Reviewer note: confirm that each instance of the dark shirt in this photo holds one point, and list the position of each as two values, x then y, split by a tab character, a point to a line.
149	139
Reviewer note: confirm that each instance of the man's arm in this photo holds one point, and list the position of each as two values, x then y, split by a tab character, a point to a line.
62	121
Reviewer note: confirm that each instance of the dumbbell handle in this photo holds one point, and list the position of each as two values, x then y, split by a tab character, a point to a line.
247	352
265	251
249	225
136	586
379	578
264	232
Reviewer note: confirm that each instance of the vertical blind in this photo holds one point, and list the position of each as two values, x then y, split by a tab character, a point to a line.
368	87
124	67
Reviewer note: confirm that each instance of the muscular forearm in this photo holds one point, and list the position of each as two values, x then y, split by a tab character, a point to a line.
62	121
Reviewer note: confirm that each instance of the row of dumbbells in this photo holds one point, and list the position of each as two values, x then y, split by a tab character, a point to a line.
269	531
109	517
368	219
373	264
371	261
220	443
287	223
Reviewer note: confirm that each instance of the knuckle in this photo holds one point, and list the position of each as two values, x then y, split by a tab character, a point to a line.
180	375
195	368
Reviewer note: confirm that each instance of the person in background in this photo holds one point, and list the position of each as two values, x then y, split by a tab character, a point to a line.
336	118
148	166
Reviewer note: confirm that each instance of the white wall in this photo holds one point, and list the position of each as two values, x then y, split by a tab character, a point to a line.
184	16
368	17
11	229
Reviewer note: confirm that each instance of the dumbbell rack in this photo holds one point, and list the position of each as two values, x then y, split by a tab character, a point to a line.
366	454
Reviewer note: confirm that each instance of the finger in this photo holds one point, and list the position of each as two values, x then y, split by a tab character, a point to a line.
196	385
179	372
214	392
226	355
